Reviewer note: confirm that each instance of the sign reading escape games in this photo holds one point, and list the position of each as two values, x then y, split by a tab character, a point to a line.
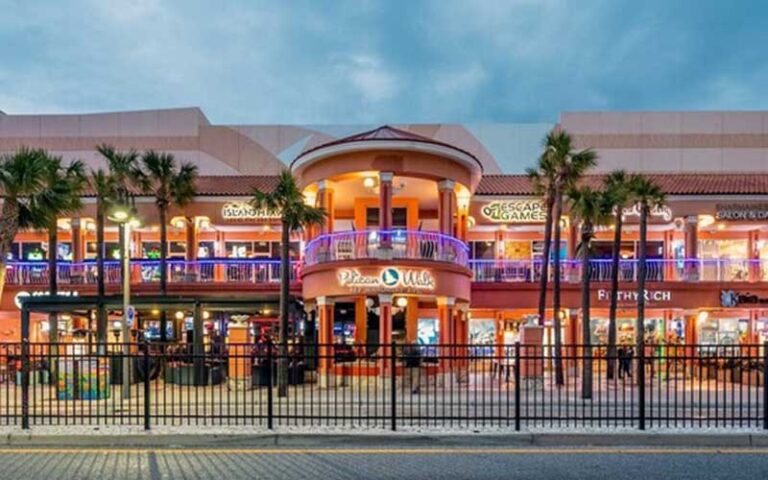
515	211
631	295
245	211
742	211
389	278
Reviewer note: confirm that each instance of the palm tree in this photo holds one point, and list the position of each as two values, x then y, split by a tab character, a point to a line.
22	179
62	187
568	166
617	186
172	185
542	180
112	187
295	215
591	208
648	194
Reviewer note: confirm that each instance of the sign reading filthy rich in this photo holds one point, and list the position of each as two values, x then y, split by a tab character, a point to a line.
240	211
604	295
389	278
752	212
515	211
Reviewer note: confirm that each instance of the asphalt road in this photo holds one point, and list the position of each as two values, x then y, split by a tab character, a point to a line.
391	462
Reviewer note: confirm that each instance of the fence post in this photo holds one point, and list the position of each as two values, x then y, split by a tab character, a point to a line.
25	384
270	399
765	387
393	385
147	378
517	385
641	384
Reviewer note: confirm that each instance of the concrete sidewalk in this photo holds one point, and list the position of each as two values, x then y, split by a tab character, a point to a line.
393	440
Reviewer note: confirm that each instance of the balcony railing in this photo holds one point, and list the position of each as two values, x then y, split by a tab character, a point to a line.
242	271
405	245
689	270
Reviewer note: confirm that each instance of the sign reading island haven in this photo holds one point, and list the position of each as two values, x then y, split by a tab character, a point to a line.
245	211
515	211
742	211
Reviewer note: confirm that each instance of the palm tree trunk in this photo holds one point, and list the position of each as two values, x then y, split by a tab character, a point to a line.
285	279
615	255
640	325
586	340
557	213
53	333
544	280
163	272
101	313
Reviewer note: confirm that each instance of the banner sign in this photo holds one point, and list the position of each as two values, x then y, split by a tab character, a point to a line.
515	211
41	293
244	211
753	212
389	278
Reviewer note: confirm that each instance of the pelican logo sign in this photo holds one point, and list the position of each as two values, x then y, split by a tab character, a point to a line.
389	278
515	211
244	211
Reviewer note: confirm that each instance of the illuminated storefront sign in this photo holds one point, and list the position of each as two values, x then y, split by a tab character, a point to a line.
515	211
245	211
631	295
663	212
389	278
730	298
742	211
23	294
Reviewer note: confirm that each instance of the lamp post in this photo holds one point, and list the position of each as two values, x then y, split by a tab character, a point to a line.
126	217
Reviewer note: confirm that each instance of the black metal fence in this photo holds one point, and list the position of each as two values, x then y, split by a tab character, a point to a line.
384	386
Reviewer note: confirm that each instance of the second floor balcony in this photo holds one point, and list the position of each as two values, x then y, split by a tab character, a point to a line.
399	245
208	271
657	270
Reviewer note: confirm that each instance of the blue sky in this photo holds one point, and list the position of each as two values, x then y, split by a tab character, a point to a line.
469	61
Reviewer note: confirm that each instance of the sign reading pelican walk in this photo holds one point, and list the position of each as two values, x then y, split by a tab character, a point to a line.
604	295
240	211
389	278
515	211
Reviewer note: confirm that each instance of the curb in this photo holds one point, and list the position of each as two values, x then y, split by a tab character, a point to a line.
390	440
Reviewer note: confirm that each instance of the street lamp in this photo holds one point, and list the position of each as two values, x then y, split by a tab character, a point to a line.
125	215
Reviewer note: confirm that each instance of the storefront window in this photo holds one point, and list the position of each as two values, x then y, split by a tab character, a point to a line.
33	251
206	250
64	251
726	260
482	250
482	336
625	330
723	331
239	249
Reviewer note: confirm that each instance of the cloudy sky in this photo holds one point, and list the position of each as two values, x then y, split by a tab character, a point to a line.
314	61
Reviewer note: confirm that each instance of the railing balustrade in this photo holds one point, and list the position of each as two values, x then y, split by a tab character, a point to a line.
249	271
657	270
405	245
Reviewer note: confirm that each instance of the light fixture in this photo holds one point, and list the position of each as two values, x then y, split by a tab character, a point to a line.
401	302
702	316
369	302
120	215
204	223
117	324
135	223
45	327
369	182
179	315
721	226
706	220
206	314
267	311
90	226
179	223
155	312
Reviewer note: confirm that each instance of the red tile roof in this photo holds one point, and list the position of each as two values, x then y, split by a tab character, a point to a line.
386	133
225	185
671	184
